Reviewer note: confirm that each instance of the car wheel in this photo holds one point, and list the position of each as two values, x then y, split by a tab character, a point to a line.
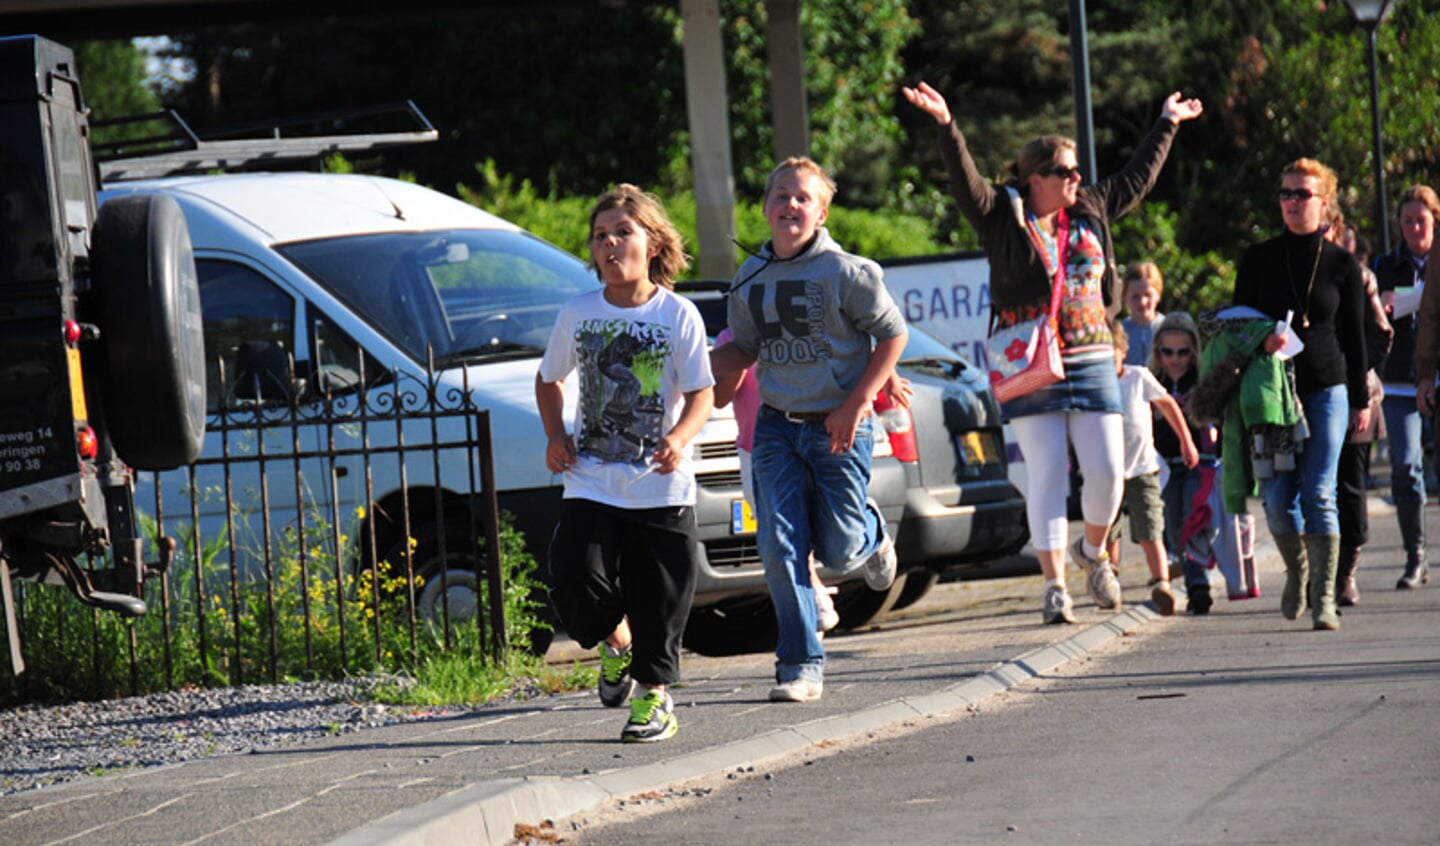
152	339
453	587
735	629
859	605
917	584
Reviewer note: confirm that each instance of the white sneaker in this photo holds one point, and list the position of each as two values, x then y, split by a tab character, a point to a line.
880	567
826	617
1056	606
1100	579
796	690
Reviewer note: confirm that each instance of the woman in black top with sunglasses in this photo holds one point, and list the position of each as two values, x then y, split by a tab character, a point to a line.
1302	274
1043	221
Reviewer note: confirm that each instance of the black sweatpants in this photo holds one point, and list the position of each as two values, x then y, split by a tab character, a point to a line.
607	563
1350	497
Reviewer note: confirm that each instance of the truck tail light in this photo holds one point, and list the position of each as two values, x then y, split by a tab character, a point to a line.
86	443
899	425
72	333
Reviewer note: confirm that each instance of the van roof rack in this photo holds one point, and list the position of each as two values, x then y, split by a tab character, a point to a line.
179	150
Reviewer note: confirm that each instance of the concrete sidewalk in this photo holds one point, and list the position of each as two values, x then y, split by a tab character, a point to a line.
470	779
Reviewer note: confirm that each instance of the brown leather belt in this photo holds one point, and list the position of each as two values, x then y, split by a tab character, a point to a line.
804	416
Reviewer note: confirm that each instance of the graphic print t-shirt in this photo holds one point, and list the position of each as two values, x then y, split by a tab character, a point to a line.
633	365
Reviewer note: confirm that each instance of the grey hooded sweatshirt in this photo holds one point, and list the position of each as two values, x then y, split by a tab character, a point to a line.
810	322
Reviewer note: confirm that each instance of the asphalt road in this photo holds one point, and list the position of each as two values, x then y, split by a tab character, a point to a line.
1239	727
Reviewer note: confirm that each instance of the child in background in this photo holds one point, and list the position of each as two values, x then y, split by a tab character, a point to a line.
825	334
1143	287
1139	394
1175	362
623	559
739	387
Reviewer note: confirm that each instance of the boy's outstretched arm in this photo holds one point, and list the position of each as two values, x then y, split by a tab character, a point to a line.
843	421
1170	410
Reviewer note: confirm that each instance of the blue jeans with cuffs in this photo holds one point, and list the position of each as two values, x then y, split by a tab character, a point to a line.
808	498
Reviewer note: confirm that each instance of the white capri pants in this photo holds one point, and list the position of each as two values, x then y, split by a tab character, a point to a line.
1099	445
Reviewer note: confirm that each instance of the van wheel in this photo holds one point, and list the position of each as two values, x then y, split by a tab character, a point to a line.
858	605
917	584
736	629
151	334
454	587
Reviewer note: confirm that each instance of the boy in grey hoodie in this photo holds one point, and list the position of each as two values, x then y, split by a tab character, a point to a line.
825	336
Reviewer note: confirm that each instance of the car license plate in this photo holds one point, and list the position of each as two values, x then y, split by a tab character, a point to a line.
979	449
742	518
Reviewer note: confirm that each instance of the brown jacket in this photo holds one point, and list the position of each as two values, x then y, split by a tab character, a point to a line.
1017	273
1427	334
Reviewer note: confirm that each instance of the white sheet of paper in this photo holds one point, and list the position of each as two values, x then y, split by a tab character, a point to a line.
1407	300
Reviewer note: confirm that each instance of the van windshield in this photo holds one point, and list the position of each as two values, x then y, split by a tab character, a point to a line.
456	293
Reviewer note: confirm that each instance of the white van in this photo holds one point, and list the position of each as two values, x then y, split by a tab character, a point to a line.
360	278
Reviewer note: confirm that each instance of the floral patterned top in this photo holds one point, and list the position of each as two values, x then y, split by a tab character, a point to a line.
1084	328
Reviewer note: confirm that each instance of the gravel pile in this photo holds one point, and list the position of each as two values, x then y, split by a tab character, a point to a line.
41	746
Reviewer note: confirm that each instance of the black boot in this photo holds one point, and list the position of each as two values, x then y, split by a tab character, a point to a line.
1346	593
1417	573
1199	602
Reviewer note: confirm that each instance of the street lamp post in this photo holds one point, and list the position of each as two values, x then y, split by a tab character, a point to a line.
1369	14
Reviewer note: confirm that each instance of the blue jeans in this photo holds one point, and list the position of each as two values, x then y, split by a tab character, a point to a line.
808	498
1405	429
1302	501
1179	492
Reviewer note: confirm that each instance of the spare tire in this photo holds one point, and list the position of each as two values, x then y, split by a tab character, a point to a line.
151	332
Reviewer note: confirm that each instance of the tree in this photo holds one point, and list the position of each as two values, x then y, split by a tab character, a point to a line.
112	77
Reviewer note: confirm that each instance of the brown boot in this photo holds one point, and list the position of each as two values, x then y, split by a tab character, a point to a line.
1346	593
1297	571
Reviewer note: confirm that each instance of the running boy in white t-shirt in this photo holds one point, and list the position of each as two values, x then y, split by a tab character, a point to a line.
623	560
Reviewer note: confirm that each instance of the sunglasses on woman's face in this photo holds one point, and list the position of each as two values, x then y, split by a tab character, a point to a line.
1301	194
1174	352
1062	171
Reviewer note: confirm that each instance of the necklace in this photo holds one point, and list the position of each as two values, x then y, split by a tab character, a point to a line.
1290	272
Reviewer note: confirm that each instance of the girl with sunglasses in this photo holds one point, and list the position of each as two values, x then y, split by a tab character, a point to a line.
1175	361
1300	273
1044	218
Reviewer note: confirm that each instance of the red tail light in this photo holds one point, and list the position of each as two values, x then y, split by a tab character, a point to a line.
86	443
899	426
72	332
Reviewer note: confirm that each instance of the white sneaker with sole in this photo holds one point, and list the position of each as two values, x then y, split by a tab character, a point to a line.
880	567
1056	607
1100	579
796	690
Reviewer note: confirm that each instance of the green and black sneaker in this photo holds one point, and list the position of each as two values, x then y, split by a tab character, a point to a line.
615	682
652	718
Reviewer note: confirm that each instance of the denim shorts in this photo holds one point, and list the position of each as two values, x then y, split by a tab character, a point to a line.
1087	386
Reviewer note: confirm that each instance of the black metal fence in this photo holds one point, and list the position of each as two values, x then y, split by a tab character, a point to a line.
319	534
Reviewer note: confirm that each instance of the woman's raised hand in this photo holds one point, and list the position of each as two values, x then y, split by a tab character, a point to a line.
1178	110
924	97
